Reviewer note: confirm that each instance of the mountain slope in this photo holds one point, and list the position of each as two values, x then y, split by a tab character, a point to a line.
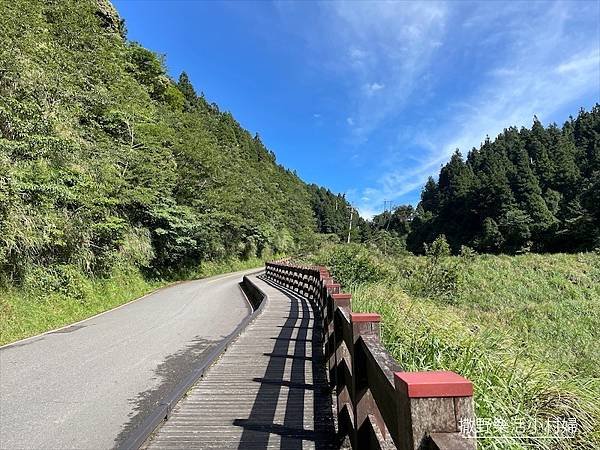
107	162
529	189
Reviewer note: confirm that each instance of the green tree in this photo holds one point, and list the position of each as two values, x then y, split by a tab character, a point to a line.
491	239
106	161
542	180
189	93
430	197
515	226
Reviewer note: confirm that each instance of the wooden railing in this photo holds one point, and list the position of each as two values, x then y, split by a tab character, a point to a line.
378	405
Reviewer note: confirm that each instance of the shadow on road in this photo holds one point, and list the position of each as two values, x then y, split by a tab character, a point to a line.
171	372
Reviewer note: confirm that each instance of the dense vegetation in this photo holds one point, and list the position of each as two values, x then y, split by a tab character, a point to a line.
525	329
532	189
109	166
333	216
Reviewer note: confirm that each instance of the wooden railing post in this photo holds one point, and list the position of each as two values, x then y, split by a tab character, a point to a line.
431	408
366	414
333	299
377	406
341	361
332	287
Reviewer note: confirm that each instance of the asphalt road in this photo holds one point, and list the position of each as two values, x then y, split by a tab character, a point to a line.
86	386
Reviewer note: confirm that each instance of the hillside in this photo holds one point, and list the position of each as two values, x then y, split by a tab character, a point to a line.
110	167
106	160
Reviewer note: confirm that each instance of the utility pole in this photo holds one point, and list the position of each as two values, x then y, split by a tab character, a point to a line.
387	227
387	215
350	225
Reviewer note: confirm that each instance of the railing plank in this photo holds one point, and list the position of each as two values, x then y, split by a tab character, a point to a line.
379	406
380	368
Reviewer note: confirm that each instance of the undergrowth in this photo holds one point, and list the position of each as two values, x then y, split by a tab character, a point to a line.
524	329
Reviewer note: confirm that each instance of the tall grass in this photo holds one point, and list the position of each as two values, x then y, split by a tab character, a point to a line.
525	329
28	310
210	268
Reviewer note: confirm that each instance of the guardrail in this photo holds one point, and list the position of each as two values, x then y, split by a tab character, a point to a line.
378	405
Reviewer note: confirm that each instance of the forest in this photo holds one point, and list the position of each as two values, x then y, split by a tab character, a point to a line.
116	178
106	161
531	189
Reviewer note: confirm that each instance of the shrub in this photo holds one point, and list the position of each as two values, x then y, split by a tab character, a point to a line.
353	264
467	252
136	248
436	275
65	280
388	243
438	248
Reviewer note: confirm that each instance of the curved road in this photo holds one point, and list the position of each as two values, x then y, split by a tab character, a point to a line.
87	385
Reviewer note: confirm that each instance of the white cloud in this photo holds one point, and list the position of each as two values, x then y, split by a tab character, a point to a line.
534	77
357	56
382	45
389	58
371	88
581	64
367	213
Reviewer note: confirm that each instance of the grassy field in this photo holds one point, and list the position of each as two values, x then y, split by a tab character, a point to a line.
525	329
51	300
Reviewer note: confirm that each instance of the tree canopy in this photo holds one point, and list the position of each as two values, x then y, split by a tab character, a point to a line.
105	160
529	189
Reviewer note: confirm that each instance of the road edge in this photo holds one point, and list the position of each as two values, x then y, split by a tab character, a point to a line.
141	434
122	305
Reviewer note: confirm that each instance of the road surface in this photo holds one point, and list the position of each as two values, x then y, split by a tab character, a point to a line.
86	386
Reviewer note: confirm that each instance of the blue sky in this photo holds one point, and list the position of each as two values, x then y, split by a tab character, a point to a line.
370	98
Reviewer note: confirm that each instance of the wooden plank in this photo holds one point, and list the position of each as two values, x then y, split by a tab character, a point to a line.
268	390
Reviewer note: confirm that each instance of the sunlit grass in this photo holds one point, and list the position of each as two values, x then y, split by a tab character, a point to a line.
525	329
25	313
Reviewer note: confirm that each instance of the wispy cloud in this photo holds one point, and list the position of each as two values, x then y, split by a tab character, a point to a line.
371	88
384	49
420	79
542	65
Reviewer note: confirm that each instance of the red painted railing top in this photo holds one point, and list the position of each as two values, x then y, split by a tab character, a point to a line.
434	384
364	317
379	406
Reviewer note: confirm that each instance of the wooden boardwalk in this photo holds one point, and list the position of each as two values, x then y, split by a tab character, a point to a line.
268	390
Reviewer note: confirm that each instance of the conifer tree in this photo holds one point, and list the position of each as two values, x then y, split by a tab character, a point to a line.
188	91
537	145
430	197
533	189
